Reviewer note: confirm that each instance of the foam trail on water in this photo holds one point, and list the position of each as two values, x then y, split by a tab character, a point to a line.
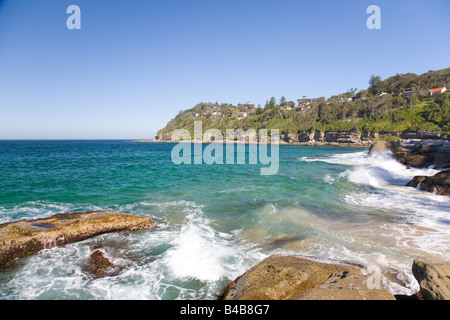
198	251
377	170
40	209
355	158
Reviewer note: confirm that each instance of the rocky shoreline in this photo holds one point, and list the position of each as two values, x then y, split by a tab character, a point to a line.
278	277
431	140
422	154
337	138
417	153
312	143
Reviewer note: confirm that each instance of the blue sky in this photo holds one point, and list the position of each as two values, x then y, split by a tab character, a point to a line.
134	64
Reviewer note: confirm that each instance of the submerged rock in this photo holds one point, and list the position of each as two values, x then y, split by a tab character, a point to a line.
434	280
26	237
100	266
438	184
293	278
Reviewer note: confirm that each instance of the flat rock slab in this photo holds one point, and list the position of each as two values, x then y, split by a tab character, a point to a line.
26	237
294	278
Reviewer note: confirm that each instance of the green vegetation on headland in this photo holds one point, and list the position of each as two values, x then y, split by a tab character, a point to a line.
401	103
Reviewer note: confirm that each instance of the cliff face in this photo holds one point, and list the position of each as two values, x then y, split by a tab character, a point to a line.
353	137
334	137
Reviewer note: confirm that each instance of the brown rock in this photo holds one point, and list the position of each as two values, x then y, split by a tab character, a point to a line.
342	137
380	146
347	285
439	183
434	280
417	153
26	237
415	181
319	136
415	160
288	277
441	178
100	266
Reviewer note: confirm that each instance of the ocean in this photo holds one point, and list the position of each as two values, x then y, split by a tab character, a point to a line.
215	221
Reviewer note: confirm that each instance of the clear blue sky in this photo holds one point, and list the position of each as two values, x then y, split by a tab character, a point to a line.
135	63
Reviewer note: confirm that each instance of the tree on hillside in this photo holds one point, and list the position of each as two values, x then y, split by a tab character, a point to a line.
352	91
374	80
413	100
272	102
375	84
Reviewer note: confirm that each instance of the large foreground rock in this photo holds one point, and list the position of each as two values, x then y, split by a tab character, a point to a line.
26	237
439	183
434	280
293	278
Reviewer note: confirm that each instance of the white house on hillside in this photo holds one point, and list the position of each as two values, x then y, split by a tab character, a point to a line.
436	91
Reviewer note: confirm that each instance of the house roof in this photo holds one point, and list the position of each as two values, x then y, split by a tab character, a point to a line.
436	89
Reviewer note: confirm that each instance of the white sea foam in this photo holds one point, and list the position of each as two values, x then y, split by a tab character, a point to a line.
377	170
382	170
407	223
354	158
198	250
40	209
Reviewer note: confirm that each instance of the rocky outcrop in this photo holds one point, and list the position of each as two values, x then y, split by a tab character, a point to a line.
293	278
164	136
319	136
26	237
417	153
381	146
419	135
438	184
434	280
343	137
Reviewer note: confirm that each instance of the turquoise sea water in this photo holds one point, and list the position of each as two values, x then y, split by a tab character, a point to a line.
215	221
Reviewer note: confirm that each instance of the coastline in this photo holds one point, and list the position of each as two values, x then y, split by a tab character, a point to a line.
311	144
